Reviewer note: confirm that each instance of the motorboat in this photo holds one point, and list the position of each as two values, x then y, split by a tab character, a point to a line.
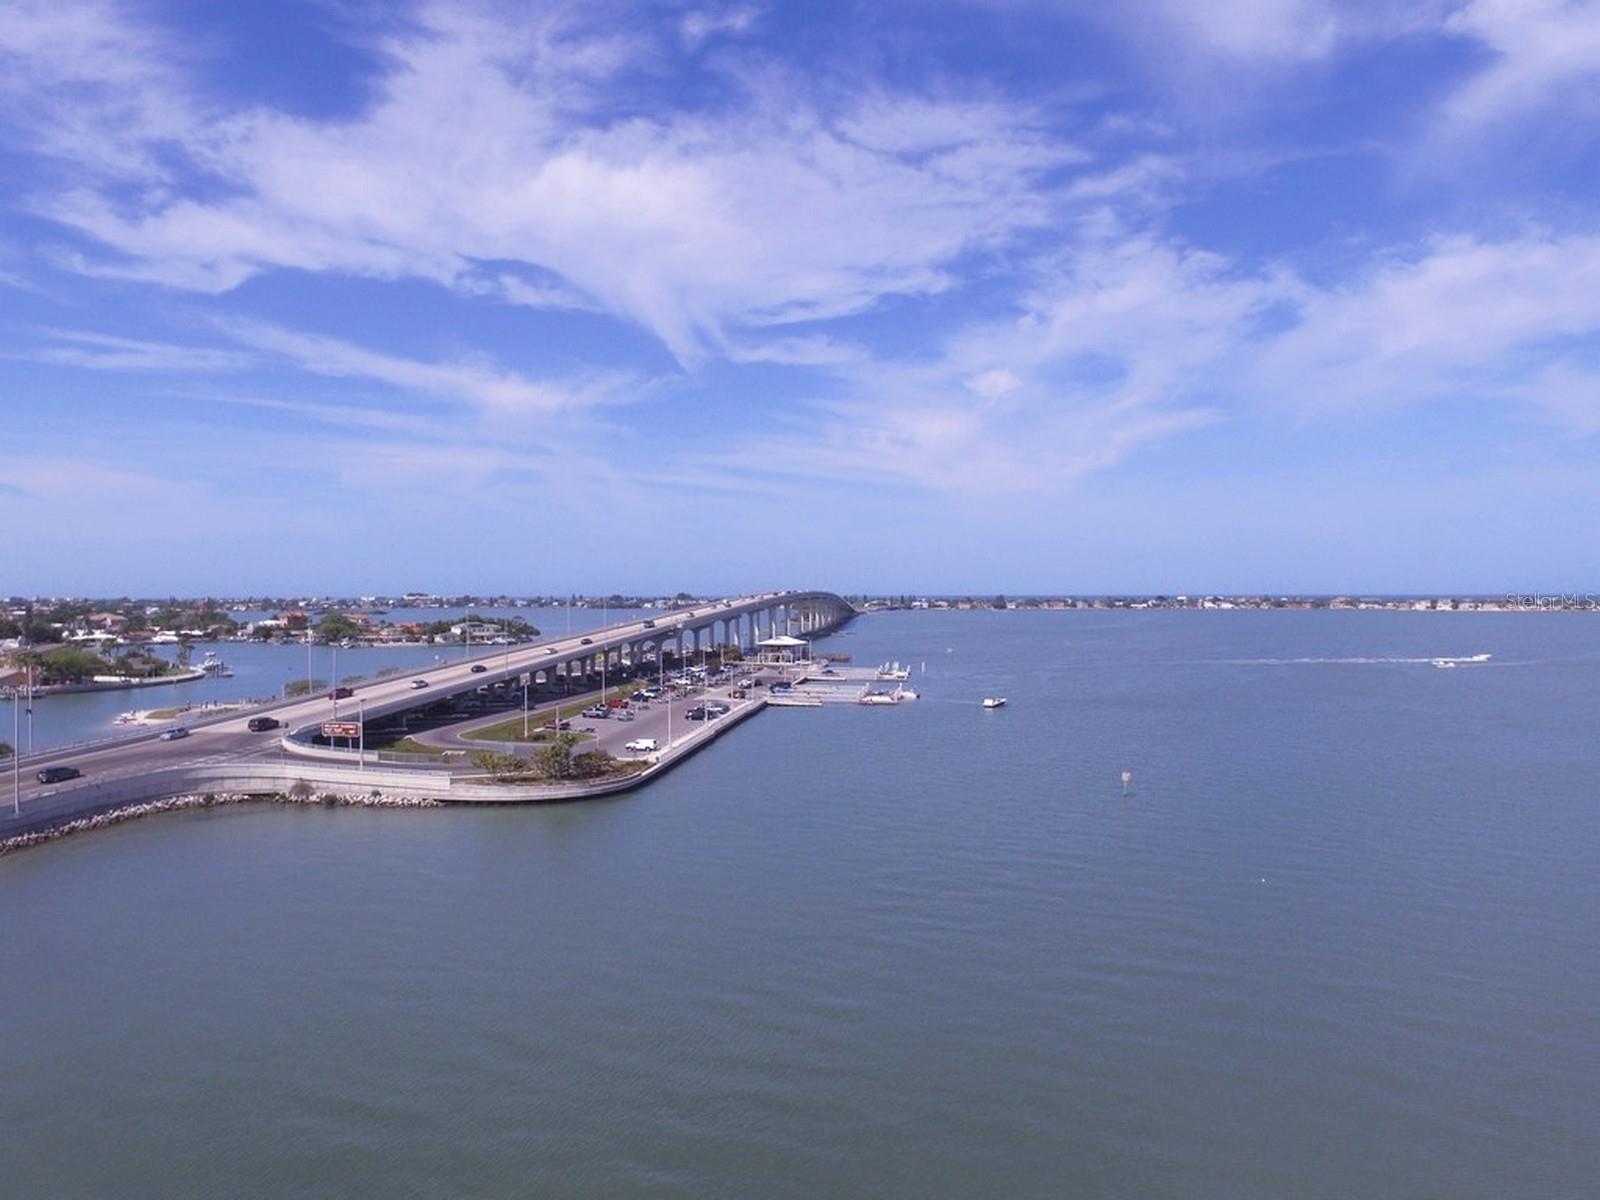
994	701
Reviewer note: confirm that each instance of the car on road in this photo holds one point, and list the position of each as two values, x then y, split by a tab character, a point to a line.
59	774
261	724
642	745
341	693
596	712
418	684
649	625
173	734
586	641
478	668
698	713
640	697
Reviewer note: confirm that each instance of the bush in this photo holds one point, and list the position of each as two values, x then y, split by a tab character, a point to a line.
591	764
329	799
300	790
500	766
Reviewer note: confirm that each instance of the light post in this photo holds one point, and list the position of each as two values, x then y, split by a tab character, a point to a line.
16	752
333	689
361	754
30	712
526	679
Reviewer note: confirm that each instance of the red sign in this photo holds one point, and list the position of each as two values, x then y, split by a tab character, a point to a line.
341	729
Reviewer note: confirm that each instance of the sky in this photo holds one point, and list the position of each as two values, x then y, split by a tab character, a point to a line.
1033	296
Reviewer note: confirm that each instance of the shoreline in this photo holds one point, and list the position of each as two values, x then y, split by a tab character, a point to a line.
185	803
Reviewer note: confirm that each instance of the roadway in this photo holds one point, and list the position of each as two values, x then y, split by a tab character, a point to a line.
227	737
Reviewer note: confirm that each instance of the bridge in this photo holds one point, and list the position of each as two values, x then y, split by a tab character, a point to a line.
222	754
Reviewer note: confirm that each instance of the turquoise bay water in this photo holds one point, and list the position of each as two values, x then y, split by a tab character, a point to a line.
1339	942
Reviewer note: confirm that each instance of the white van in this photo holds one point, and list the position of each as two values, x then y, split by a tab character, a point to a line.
642	746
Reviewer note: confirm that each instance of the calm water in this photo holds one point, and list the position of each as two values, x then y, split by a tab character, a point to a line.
1341	942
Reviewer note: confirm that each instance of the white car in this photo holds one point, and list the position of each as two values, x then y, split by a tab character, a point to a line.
642	746
418	683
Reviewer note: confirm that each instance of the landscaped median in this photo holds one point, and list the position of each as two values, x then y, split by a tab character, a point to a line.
558	762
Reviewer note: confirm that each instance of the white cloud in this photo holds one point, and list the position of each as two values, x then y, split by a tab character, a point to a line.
492	390
103	352
689	223
1541	50
700	25
1462	317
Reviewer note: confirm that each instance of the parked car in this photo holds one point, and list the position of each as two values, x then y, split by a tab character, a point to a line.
558	726
341	693
417	684
261	724
478	668
642	746
59	774
597	712
173	734
698	713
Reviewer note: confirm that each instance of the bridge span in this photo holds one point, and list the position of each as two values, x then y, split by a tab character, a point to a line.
141	766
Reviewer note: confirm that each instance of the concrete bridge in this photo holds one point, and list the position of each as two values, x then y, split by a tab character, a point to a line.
143	767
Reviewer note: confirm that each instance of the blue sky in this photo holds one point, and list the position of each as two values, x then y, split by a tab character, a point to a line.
321	295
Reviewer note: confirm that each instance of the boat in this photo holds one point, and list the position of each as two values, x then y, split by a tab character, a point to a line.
127	718
994	701
215	667
893	671
878	698
904	693
1445	664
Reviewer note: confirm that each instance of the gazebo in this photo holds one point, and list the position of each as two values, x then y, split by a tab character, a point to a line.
780	649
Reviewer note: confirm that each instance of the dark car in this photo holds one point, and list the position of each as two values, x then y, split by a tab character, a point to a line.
559	726
478	668
58	774
649	624
341	693
698	713
262	724
586	642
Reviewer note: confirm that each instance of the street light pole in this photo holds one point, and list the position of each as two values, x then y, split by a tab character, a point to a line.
361	712
16	752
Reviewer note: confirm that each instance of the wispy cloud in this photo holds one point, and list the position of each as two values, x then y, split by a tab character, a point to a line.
104	352
778	208
484	386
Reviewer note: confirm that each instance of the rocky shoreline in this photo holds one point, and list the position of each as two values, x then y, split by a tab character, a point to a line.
134	812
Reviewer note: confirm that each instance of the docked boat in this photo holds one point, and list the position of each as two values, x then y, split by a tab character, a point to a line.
994	701
215	667
878	698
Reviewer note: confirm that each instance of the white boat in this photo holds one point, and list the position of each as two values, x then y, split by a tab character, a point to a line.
1445	664
878	698
214	666
994	701
904	693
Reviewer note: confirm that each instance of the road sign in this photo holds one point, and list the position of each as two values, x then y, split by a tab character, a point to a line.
341	729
